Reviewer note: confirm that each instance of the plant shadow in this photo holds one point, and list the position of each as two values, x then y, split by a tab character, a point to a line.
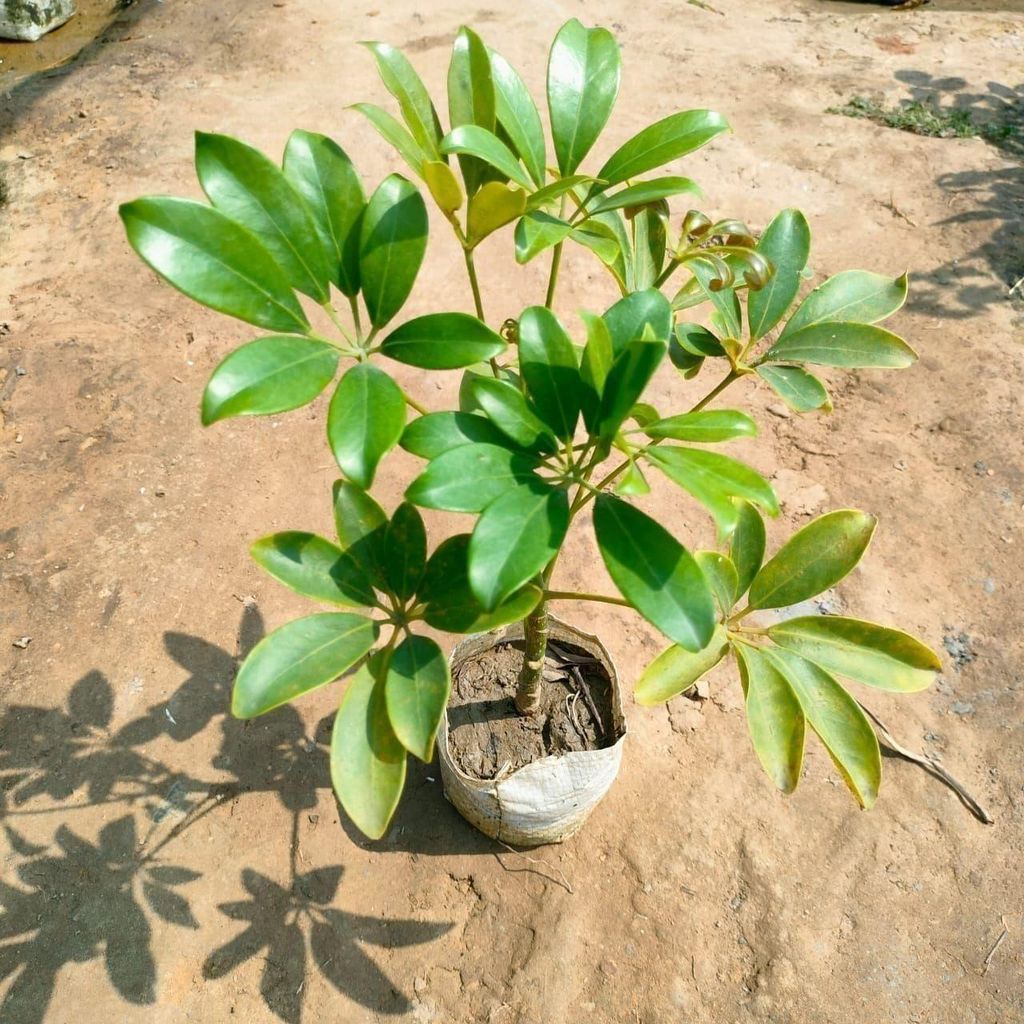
78	901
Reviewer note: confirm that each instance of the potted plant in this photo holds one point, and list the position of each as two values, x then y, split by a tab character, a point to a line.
552	426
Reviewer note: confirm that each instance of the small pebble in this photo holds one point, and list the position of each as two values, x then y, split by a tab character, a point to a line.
420	984
20	371
159	492
901	465
22	642
18	438
779	410
962	707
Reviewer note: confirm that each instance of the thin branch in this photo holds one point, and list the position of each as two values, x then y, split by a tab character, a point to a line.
568	595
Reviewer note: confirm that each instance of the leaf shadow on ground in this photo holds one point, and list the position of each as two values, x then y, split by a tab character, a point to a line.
77	901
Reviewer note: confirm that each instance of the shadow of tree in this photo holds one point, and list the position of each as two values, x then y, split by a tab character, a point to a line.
91	901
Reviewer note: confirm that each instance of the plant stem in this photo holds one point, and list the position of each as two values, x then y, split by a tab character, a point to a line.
353	302
556	261
478	304
667	272
535	628
717	390
568	595
413	404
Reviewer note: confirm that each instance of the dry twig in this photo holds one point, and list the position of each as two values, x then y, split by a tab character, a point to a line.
992	952
562	881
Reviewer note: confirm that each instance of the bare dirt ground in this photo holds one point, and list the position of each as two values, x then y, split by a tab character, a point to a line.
163	863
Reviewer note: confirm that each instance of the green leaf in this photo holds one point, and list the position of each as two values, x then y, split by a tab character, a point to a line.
774	717
361	527
395	135
299	657
694	341
714	479
600	241
416	692
721	576
538	231
400	79
644	192
629	375
632	483
471	99
442	341
842	344
364	422
786	244
839	723
632	315
492	207
472	140
272	374
515	538
506	408
367	759
725	300
250	189
213	260
650	238
517	115
655	573
800	390
392	241
610	225
676	670
556	189
598	356
314	567
747	544
405	551
885	658
706	426
450	602
443	185
470	477
547	361
854	296
583	80
665	140
438	432
323	175
813	559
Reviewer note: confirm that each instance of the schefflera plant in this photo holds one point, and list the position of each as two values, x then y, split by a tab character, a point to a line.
542	413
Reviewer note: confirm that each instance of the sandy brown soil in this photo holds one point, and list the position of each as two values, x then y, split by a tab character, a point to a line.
698	894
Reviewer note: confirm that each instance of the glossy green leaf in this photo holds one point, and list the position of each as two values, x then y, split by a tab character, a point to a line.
537	232
471	99
517	115
392	241
634	314
472	140
492	207
598	356
676	669
362	528
442	341
774	718
629	375
746	545
600	241
451	604
839	723
367	760
400	79
707	426
655	573
611	225
470	477
467	386
271	374
213	260
800	390
404	555
506	408
395	134
632	483
416	692
813	559
323	175
644	192
443	185
249	188
515	538
786	244
438	432
547	361
725	300
314	567
853	296
364	422
584	67
299	657
650	239
842	344
885	658
715	479
668	139
695	341
721	576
